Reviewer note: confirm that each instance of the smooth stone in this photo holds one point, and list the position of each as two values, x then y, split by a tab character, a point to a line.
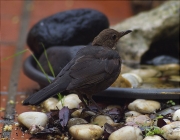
71	27
71	101
86	132
132	114
82	114
171	131
174	78
155	137
163	59
170	110
121	82
134	79
128	80
109	107
144	106
168	67
141	120
176	115
34	129
126	133
101	120
50	104
86	114
76	121
76	113
33	118
146	73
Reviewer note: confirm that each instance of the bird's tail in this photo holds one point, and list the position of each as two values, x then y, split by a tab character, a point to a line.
50	90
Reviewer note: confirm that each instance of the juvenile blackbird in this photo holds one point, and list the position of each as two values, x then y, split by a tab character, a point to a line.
92	70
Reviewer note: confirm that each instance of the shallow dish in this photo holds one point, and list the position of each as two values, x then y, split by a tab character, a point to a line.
30	70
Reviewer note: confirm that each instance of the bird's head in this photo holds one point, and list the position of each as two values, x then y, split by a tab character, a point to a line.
108	37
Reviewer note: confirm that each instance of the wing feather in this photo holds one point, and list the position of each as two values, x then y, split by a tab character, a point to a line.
92	71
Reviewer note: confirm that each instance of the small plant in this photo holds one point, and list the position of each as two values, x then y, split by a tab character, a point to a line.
153	130
171	102
159	117
49	64
61	98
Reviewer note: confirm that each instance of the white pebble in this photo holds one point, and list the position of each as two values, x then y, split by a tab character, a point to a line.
141	120
155	137
172	131
86	132
71	101
144	106
176	115
126	133
146	73
101	120
50	104
76	113
33	118
132	114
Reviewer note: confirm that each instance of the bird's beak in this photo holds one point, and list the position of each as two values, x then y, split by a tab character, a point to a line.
122	33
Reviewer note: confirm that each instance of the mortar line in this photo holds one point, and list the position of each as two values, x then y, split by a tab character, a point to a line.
13	84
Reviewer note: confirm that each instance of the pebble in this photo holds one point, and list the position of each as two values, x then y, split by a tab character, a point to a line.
176	115
144	106
155	137
141	120
132	113
76	121
172	131
86	132
50	104
126	133
33	118
71	101
101	120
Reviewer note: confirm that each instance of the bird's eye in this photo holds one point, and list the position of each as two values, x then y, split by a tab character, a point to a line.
114	37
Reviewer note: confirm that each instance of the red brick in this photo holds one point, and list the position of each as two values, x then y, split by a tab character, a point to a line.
3	101
11	8
25	83
115	10
6	66
9	30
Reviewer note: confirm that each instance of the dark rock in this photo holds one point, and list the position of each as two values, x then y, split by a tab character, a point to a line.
73	27
58	58
163	59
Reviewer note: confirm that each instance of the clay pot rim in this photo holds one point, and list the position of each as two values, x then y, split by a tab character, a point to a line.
29	68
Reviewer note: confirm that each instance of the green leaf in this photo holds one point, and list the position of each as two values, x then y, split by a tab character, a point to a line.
16	54
61	98
49	64
41	68
153	131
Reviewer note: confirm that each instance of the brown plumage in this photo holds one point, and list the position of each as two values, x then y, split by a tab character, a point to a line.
93	69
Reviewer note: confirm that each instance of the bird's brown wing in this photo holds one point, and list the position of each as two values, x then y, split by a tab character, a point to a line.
88	70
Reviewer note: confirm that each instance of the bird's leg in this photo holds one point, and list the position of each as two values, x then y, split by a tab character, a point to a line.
91	99
82	99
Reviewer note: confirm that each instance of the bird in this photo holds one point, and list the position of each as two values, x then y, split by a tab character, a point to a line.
93	69
57	59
